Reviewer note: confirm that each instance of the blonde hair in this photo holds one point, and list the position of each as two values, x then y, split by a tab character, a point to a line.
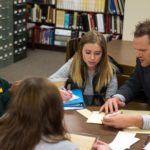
104	69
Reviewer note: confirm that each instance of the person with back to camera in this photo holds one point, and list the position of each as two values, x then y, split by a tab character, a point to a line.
34	119
139	80
90	69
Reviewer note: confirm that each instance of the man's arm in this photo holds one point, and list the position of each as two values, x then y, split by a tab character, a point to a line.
123	120
126	91
146	121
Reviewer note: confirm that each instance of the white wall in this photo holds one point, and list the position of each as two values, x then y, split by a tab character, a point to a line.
135	11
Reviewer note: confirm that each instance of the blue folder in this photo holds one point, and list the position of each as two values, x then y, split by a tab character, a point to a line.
77	102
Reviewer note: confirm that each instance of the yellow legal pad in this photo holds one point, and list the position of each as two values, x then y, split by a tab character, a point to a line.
83	142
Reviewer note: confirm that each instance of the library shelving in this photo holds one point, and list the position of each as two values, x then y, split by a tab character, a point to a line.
105	16
42	14
58	21
6	32
20	32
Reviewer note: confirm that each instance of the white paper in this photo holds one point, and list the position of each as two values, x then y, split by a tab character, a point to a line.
85	112
123	141
74	97
96	117
147	147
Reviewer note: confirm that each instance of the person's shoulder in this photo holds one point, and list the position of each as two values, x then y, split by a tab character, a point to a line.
70	60
4	81
67	145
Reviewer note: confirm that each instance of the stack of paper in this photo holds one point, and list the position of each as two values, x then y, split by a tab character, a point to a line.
123	141
76	101
92	117
83	142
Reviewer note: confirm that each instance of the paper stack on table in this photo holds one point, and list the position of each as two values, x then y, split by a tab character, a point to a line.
83	142
123	140
92	116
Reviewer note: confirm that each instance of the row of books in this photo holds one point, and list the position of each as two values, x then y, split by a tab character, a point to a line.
89	21
116	7
44	35
109	6
60	37
83	5
39	13
52	2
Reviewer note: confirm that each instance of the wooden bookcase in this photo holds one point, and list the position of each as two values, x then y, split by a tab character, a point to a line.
71	18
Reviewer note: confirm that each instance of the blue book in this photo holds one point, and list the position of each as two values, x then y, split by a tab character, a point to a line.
112	7
79	102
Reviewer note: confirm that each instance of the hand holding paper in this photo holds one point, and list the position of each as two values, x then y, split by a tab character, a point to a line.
65	94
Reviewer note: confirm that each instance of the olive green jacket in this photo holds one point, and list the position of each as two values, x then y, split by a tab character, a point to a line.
4	95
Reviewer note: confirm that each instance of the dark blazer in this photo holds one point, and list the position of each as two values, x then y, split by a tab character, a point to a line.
4	95
139	80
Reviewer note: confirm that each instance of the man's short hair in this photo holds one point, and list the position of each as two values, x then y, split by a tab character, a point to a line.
142	28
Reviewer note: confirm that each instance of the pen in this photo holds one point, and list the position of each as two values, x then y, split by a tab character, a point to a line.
147	140
66	90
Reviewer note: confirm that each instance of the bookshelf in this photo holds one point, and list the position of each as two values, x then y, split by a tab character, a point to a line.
42	13
63	20
105	16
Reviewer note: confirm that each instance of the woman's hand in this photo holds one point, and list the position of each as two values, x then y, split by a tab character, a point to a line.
66	94
100	145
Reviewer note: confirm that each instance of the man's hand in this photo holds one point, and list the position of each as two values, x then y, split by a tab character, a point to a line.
112	105
123	120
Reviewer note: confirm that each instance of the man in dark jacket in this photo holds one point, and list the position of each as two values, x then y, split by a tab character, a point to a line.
139	80
4	95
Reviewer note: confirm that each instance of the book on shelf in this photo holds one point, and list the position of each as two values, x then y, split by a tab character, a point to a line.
62	38
60	43
63	32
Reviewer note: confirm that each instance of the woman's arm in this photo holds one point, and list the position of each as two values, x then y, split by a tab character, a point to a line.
63	72
112	87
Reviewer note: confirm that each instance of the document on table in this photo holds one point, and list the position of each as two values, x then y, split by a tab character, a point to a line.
123	141
147	147
136	129
96	117
92	116
83	142
85	112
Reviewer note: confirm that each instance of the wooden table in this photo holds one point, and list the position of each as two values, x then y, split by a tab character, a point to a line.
76	123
